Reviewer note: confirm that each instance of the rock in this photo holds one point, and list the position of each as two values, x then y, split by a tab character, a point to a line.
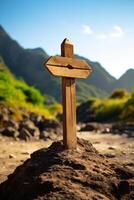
25	116
111	148
92	127
25	134
48	135
10	131
56	173
85	112
97	127
31	128
106	130
47	125
109	155
52	136
39	125
10	111
3	117
26	124
5	110
34	117
124	187
124	173
44	135
12	156
123	128
89	127
25	153
35	132
11	123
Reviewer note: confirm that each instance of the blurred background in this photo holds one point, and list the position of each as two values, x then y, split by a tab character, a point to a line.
30	98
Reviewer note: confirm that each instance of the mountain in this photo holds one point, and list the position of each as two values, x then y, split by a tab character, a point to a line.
125	81
23	62
27	64
100	77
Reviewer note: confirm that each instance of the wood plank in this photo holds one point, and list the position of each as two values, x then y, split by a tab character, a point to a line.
65	72
65	62
69	103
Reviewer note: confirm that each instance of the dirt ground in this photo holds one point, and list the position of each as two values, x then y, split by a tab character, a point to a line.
14	153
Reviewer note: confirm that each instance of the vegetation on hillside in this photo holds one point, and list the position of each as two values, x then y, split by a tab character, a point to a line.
17	93
119	106
28	64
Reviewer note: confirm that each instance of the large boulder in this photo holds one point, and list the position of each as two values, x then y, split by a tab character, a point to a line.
123	128
86	112
25	134
29	127
46	125
11	123
96	127
10	132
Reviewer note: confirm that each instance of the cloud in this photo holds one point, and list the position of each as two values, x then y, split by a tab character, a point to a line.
102	36
86	29
117	32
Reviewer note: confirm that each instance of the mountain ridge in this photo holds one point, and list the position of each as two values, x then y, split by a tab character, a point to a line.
126	80
28	64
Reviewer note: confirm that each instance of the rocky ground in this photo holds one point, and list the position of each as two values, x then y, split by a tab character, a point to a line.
27	126
102	171
117	149
55	173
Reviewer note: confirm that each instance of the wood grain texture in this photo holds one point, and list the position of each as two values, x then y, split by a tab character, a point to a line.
60	61
67	72
68	68
69	102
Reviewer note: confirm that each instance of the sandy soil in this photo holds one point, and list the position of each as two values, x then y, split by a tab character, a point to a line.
13	153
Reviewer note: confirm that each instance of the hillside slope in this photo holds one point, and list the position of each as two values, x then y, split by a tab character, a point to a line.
17	94
100	77
28	64
126	80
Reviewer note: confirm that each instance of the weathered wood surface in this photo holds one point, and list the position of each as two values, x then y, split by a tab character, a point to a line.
69	102
60	61
68	68
68	72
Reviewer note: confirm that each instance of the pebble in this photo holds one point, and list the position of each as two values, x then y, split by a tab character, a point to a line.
25	153
108	155
12	156
111	148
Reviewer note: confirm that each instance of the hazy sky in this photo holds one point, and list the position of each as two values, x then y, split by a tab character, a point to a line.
102	30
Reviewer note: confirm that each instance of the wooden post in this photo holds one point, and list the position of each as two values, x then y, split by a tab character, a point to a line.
69	102
68	68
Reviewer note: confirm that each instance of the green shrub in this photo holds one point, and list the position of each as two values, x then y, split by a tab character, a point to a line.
109	110
128	111
17	93
32	95
54	109
118	94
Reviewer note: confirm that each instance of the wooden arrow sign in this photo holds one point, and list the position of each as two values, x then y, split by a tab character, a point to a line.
68	67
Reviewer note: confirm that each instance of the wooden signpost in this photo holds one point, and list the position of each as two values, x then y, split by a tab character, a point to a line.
68	68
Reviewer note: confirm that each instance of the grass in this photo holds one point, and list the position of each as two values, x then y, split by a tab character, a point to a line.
119	106
17	93
110	110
